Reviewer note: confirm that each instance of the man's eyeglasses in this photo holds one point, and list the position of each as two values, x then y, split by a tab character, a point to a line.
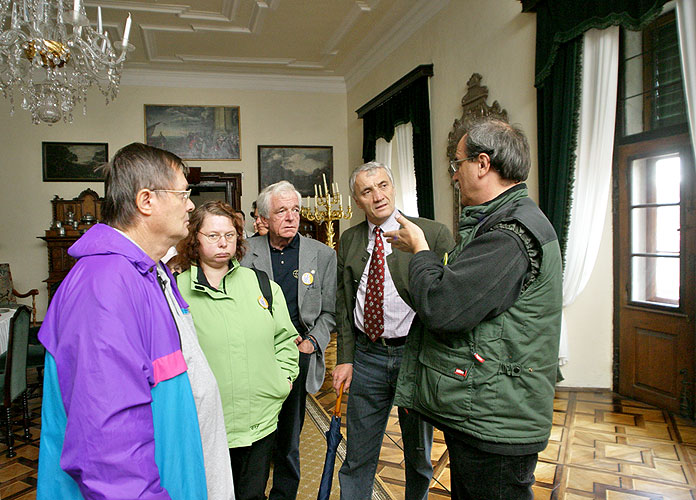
215	237
185	195
455	164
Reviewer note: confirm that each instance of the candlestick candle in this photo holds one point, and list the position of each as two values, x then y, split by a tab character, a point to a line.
326	188
126	31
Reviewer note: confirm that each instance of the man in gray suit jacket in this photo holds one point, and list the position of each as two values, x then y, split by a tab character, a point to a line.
305	269
368	361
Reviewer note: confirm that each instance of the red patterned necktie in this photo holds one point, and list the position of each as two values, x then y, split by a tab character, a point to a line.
374	296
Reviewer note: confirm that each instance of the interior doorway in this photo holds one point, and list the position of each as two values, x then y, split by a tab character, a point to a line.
656	235
654	223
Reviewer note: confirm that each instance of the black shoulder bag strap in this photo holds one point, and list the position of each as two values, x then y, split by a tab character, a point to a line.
265	286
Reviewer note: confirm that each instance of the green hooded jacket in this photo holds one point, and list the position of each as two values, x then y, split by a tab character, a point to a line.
251	352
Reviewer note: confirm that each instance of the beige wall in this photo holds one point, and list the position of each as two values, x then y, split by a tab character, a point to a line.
589	321
267	117
498	41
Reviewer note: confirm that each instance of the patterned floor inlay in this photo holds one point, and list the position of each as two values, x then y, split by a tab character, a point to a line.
602	447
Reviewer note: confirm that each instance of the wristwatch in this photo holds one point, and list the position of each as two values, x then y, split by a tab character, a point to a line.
313	342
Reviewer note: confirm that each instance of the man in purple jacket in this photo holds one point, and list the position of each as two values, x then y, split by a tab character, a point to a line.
119	419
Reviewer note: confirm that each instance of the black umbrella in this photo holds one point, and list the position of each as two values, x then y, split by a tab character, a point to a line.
333	438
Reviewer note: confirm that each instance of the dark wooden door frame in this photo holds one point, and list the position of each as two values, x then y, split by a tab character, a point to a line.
688	393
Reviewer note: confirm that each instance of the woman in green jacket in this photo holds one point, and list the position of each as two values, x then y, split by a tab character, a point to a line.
249	344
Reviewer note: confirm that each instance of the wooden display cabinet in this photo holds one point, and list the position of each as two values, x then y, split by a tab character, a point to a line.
86	209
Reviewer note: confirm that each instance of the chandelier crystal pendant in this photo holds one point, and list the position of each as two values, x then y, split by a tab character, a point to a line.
50	57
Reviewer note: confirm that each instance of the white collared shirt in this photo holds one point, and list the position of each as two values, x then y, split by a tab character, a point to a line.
398	316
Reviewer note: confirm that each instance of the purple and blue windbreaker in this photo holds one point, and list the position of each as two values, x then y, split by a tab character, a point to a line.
118	416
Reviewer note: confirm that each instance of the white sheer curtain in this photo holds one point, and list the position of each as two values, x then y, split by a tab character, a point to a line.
402	167
408	203
383	152
593	168
686	25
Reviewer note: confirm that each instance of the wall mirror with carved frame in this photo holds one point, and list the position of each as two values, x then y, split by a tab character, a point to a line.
474	106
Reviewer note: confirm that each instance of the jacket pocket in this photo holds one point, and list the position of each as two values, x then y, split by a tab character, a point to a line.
527	391
273	384
444	383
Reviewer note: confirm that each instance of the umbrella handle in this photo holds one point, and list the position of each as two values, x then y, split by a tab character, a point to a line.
337	409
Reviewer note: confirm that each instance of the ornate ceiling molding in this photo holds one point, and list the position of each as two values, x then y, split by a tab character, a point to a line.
239	81
358	37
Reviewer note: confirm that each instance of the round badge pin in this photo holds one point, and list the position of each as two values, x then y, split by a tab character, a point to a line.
263	302
307	278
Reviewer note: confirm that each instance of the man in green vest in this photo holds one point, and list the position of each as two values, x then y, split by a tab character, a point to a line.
482	354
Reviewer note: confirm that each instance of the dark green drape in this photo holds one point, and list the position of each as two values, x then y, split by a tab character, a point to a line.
558	105
560	27
411	104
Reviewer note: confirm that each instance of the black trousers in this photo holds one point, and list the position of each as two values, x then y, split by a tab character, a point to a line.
250	468
479	475
286	455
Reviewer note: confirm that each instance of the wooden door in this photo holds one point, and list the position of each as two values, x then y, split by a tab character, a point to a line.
655	291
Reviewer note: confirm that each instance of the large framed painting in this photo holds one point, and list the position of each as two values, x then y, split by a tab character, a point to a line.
194	132
303	166
73	161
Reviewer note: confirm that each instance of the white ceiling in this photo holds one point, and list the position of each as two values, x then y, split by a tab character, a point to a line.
327	44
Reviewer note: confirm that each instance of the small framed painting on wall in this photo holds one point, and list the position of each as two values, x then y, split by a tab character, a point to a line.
73	161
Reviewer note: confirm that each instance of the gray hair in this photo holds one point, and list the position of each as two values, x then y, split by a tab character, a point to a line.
263	202
135	167
368	167
504	143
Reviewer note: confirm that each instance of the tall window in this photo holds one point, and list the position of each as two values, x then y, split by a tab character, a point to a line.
655	208
653	93
651	109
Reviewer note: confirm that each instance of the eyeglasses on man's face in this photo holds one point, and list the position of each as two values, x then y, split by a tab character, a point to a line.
455	164
215	237
185	195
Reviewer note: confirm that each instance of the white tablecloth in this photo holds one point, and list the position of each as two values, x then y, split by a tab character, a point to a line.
5	317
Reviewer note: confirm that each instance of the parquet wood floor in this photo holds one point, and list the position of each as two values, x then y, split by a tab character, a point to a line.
602	447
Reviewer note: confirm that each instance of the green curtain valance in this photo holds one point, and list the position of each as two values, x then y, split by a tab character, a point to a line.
560	28
559	21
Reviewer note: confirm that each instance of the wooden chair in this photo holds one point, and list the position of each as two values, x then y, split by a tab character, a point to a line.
8	295
13	380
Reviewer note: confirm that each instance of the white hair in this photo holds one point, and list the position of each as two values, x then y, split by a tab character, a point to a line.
263	202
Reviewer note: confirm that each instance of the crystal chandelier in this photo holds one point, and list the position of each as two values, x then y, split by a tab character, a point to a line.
51	56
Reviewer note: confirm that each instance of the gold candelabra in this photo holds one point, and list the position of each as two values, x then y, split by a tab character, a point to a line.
324	211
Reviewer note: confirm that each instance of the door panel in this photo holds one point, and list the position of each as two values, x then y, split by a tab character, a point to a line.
654	246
